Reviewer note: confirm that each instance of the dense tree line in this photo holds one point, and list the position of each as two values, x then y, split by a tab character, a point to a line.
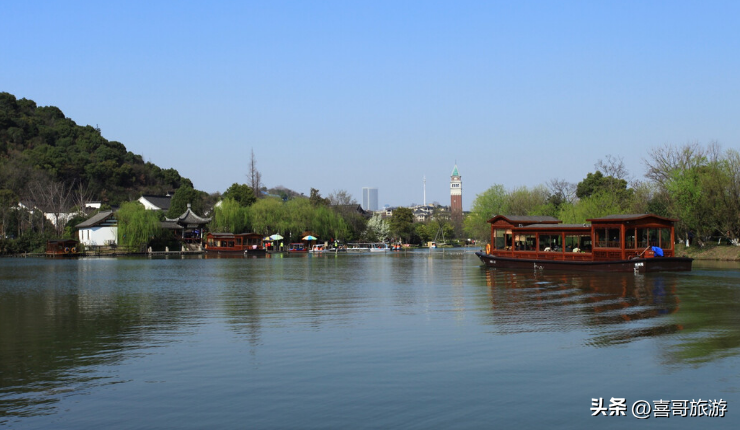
697	185
40	144
49	162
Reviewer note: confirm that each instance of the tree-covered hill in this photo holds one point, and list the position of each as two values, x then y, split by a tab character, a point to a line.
40	144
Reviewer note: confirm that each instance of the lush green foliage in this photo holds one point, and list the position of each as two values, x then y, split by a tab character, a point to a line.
230	216
402	224
137	227
241	193
42	139
183	196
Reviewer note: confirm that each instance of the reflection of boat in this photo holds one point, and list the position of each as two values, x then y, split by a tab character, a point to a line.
297	247
236	244
616	243
609	301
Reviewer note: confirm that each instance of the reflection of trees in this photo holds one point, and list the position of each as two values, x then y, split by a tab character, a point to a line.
56	323
303	291
710	305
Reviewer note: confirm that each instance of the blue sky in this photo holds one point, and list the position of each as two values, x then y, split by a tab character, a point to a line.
340	95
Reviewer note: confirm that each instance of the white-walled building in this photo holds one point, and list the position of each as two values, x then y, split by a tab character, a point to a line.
101	229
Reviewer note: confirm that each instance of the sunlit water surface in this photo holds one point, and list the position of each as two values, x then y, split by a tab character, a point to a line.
414	340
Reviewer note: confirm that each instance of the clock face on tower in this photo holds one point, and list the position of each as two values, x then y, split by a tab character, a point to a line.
456	194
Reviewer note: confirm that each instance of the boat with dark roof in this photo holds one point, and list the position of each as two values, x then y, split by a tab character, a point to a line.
616	243
247	244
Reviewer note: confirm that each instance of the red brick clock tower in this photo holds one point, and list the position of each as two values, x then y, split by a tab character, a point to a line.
456	198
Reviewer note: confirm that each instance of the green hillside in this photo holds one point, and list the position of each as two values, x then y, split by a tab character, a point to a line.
41	144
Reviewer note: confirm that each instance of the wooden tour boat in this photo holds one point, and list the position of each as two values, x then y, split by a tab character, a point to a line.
616	243
234	244
61	248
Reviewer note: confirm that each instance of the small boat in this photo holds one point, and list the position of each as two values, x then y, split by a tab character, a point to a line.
317	249
358	247
379	247
615	243
234	244
297	247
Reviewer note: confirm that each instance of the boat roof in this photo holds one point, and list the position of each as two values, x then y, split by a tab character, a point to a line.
558	226
630	217
526	219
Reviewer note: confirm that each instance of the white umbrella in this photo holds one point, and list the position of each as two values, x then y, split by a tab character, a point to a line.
276	237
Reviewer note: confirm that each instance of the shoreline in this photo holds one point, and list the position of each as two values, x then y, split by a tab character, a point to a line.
710	252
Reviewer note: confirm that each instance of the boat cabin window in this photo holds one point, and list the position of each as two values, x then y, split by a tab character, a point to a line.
607	237
660	237
525	242
498	239
665	238
551	242
577	243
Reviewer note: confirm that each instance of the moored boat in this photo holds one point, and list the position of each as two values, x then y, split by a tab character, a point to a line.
234	244
318	249
61	248
358	247
297	248
616	243
379	247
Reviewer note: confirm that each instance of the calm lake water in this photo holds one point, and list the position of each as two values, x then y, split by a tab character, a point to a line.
413	340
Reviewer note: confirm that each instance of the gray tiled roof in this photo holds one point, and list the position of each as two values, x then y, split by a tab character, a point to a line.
95	220
188	219
162	202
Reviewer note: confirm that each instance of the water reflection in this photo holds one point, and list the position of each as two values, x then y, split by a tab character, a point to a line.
70	327
700	313
59	320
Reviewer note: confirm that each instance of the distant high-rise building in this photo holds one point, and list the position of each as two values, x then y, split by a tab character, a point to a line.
370	199
456	197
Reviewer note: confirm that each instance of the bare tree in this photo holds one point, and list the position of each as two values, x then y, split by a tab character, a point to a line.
341	197
51	197
255	177
81	195
562	190
665	160
612	166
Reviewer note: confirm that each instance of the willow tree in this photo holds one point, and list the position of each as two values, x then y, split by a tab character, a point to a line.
328	224
136	225
230	217
299	213
268	216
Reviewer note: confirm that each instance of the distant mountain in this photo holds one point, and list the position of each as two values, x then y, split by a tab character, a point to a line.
41	144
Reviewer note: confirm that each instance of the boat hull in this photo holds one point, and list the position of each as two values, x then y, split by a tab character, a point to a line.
638	265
